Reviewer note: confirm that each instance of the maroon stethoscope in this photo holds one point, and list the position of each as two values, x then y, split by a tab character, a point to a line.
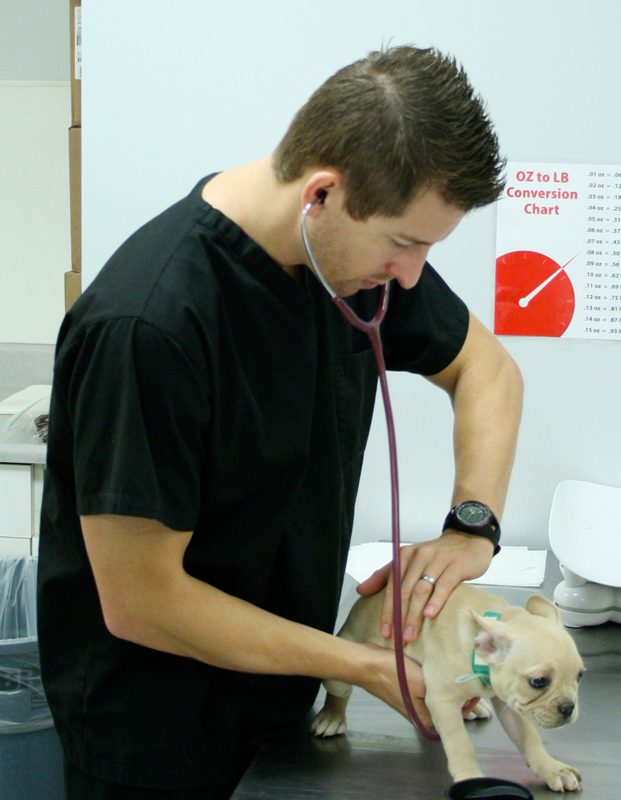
372	330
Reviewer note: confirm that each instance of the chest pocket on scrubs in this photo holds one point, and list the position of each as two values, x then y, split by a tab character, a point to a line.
355	389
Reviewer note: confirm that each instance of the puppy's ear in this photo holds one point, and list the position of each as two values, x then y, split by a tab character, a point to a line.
540	606
493	641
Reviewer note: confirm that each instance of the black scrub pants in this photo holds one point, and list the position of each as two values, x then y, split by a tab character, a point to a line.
80	786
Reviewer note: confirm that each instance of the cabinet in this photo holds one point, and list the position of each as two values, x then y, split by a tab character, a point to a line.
21	489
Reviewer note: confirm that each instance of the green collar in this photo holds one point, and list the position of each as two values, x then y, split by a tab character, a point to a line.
480	670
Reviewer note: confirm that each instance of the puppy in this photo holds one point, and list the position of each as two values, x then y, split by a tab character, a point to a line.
523	659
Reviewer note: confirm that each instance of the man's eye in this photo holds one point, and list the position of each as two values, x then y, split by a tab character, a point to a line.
538	683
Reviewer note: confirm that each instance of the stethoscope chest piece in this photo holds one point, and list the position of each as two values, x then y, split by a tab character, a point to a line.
488	789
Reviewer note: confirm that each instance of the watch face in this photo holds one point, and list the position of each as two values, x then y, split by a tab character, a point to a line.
472	513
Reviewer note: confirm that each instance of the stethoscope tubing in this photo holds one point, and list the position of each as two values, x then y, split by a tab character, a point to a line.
372	330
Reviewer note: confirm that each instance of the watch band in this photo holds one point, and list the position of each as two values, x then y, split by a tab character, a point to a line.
489	527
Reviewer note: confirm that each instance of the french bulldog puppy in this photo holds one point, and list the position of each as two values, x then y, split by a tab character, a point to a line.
521	658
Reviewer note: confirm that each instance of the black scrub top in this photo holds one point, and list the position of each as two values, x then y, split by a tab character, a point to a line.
197	384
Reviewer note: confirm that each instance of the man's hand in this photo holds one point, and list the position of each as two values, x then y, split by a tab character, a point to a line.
382	681
450	559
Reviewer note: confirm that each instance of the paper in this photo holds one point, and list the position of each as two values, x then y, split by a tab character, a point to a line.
558	251
513	566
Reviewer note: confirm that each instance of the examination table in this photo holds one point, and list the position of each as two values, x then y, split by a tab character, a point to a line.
383	757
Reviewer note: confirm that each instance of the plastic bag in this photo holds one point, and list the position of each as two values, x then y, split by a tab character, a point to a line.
23	706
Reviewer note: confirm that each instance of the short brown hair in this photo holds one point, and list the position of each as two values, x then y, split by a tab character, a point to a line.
401	120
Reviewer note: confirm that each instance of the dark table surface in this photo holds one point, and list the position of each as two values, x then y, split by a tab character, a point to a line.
383	757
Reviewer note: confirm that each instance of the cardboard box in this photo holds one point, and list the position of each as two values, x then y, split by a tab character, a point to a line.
73	288
75	196
75	47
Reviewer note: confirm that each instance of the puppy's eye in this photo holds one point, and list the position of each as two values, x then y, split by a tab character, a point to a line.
538	683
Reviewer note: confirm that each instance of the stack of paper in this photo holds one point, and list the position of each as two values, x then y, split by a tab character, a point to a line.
21	401
34	399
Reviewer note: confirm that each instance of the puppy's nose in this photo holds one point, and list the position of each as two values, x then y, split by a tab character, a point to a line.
566	710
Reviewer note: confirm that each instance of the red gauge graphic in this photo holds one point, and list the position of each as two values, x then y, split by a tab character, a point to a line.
534	295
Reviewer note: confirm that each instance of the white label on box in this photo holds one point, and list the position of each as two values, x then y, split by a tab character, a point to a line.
15	501
77	65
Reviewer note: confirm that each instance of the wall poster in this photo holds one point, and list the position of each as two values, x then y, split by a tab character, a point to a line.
558	251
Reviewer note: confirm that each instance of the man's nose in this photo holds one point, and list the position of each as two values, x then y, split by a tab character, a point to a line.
407	269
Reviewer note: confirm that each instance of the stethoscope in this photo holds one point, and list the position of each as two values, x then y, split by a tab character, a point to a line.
372	330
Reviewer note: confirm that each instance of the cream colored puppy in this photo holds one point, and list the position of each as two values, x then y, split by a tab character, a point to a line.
523	659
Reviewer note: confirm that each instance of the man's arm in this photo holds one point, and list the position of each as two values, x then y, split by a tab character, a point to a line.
485	387
148	598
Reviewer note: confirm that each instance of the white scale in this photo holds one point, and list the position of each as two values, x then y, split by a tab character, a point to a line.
585	536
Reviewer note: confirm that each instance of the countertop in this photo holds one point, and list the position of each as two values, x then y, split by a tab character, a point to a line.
382	756
20	449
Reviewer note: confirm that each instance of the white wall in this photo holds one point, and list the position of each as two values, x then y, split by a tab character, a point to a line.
34	40
34	209
191	87
34	177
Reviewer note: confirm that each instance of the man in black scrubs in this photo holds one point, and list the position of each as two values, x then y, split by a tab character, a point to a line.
209	417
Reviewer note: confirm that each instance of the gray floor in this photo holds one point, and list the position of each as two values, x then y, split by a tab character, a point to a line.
382	756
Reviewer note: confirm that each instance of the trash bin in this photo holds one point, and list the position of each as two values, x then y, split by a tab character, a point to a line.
31	763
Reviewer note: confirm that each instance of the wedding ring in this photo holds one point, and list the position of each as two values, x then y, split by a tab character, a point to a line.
431	581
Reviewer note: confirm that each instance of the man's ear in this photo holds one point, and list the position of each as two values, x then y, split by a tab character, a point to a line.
493	641
318	186
540	606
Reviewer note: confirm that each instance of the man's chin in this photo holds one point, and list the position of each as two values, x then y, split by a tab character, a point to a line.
353	287
345	289
350	288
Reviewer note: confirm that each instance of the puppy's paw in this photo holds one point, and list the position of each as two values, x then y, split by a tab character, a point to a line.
562	778
328	723
482	710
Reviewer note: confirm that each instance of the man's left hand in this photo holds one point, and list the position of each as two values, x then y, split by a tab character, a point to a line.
447	561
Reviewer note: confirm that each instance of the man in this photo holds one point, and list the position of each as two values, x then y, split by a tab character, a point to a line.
209	416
